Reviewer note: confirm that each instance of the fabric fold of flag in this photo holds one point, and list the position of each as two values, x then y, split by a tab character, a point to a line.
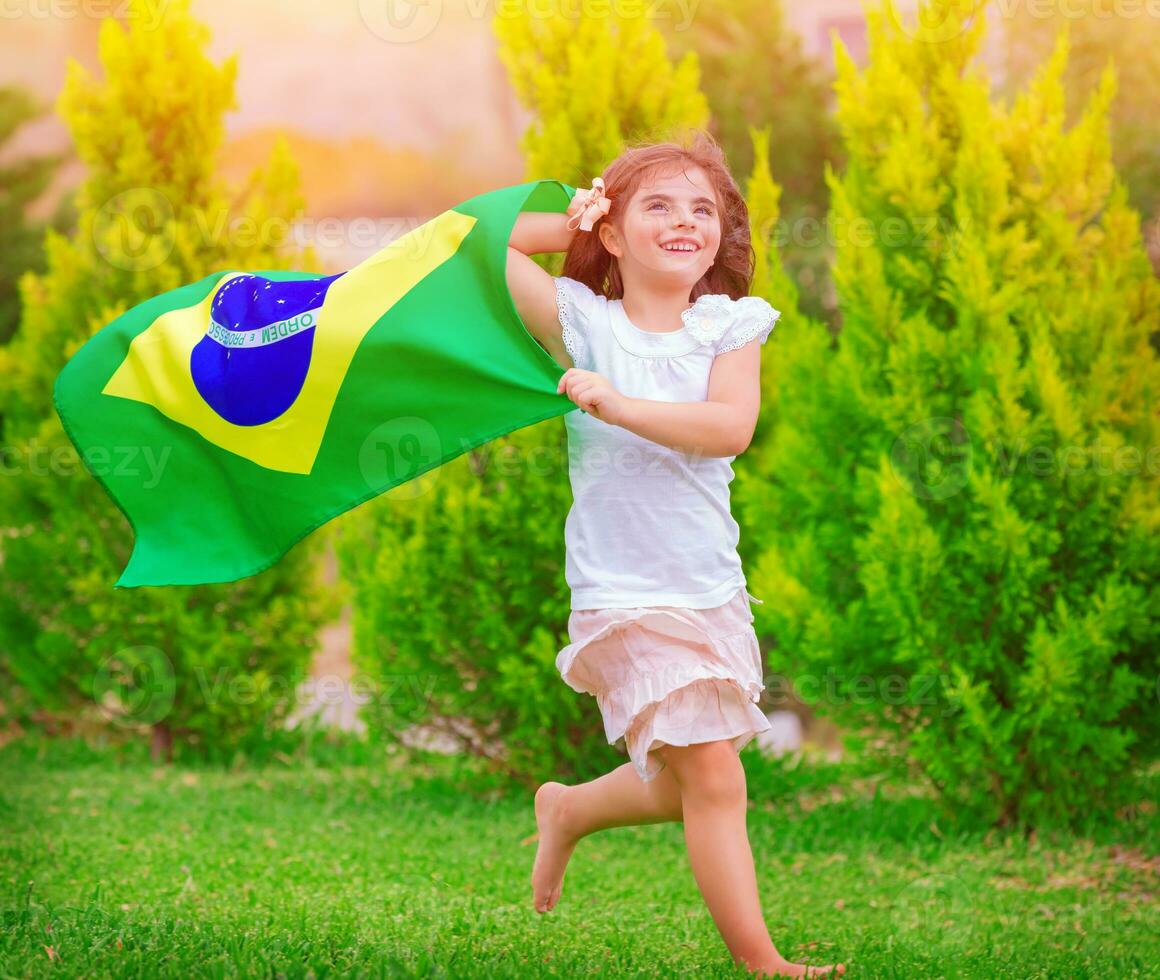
231	417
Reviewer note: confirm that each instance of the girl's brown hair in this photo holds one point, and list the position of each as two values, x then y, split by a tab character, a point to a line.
731	273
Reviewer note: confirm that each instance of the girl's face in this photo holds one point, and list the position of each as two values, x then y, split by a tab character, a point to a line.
677	207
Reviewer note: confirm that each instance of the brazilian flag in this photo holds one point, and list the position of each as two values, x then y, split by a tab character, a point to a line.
233	416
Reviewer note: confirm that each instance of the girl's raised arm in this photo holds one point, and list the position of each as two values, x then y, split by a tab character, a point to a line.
534	295
533	290
535	232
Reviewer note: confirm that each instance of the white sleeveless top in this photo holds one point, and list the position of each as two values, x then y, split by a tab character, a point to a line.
650	525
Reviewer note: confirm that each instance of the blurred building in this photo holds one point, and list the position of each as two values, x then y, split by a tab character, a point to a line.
382	124
818	21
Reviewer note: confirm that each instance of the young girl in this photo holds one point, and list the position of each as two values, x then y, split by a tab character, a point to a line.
652	320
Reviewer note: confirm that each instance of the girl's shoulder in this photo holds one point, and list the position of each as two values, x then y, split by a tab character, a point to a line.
718	320
577	301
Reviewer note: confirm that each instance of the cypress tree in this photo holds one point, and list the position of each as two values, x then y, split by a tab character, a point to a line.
956	504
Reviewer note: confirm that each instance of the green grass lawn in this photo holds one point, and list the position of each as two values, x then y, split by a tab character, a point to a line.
394	869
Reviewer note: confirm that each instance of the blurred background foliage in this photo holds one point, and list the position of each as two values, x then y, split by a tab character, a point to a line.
218	662
1098	38
22	182
921	505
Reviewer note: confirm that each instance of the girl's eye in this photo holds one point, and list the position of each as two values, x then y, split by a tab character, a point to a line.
661	204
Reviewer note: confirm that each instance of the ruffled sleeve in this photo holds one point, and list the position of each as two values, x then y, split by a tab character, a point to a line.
753	318
577	306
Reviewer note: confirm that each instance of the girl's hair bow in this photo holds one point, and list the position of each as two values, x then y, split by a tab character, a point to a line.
588	206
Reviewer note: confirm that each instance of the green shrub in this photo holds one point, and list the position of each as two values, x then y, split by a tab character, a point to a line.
956	501
200	666
460	607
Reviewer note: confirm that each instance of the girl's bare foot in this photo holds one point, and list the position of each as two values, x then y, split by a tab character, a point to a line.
553	851
784	968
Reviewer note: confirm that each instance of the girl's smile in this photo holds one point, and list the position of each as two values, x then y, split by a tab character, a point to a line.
677	215
680	246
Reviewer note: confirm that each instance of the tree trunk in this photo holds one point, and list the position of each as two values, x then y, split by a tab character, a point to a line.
161	746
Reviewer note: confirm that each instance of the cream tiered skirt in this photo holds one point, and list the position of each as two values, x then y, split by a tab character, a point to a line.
668	675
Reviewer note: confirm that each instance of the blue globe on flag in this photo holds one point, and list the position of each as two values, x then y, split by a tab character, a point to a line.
253	361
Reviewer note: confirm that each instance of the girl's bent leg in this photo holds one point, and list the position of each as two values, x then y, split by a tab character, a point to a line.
619	799
564	814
